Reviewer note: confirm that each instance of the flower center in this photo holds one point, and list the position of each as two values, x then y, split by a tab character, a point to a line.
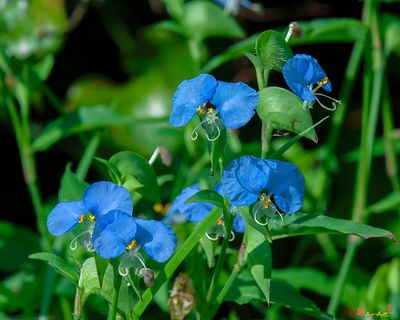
132	245
160	208
83	218
324	81
219	222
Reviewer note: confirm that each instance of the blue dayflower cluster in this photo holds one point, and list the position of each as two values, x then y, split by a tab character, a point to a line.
180	211
249	180
304	76
106	210
269	185
214	101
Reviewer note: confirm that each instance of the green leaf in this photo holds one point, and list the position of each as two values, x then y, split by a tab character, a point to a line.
283	110
278	153
72	187
245	290
259	259
272	50
16	243
139	175
245	213
209	249
388	203
235	51
216	149
59	264
304	224
101	267
83	119
209	196
89	280
203	19
330	30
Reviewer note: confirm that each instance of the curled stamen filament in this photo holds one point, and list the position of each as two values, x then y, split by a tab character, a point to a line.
215	238
88	243
232	237
334	101
194	134
123	271
258	221
218	132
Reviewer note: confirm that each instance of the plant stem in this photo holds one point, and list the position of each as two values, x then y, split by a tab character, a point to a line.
262	80
176	260
369	123
78	304
112	312
220	298
87	158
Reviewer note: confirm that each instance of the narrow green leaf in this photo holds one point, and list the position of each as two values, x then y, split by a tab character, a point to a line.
203	19
259	259
209	196
177	259
304	224
72	187
83	119
138	174
283	110
293	140
209	249
272	50
59	264
388	203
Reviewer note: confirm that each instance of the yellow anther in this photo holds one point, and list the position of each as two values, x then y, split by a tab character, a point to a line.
219	222
267	202
200	110
210	110
92	217
132	245
322	82
82	218
160	208
262	198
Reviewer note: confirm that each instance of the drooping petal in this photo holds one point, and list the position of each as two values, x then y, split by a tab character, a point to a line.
286	183
189	95
157	239
299	73
104	196
193	211
112	233
65	216
239	224
236	103
244	179
319	75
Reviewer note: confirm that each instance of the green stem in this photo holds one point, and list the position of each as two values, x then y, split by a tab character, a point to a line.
220	298
112	312
176	260
369	123
390	151
262	81
87	157
78	304
65	308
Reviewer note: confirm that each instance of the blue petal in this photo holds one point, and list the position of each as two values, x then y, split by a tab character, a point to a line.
112	233
236	103
157	239
193	211
286	183
102	197
65	216
299	72
190	95
239	224
244	179
245	3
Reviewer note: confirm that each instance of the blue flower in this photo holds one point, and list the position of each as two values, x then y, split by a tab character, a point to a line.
180	211
233	104
117	233
248	180
245	3
98	199
304	76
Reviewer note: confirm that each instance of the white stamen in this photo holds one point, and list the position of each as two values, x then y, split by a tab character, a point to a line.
232	237
195	135
218	130
334	101
123	271
258	221
211	238
87	243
